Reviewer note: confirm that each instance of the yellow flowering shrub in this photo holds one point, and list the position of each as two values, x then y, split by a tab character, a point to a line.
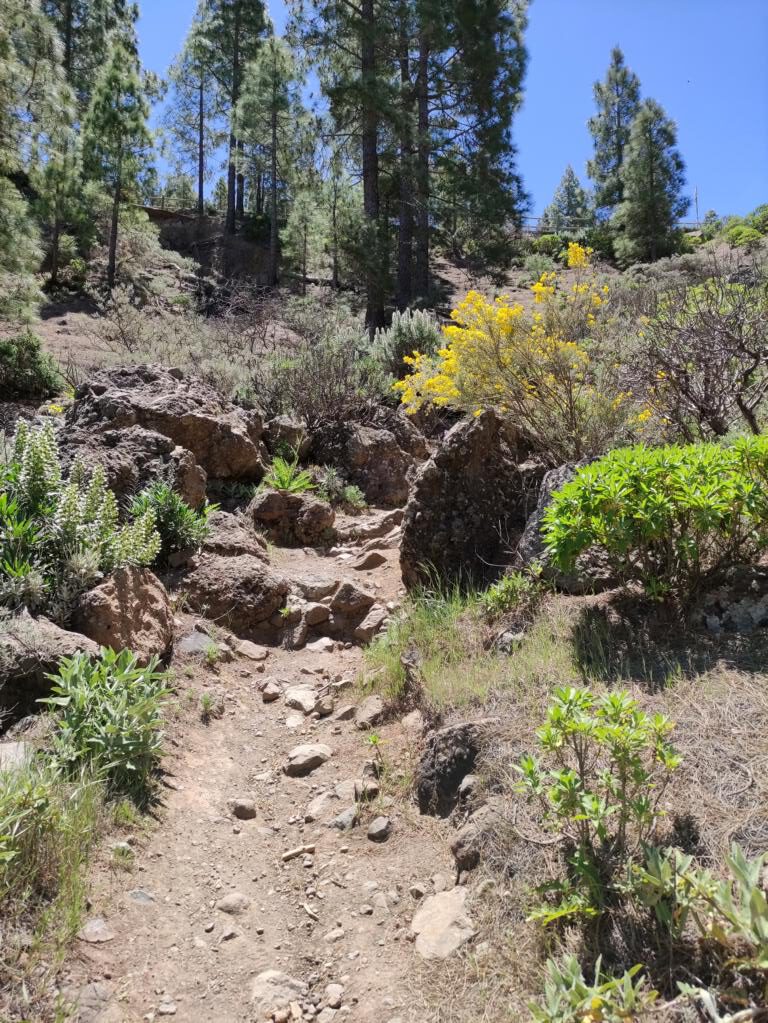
535	367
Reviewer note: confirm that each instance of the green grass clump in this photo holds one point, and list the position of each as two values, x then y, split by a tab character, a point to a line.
285	474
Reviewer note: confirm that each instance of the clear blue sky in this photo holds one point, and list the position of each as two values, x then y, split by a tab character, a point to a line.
705	61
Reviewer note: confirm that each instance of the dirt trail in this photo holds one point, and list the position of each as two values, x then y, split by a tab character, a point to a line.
338	915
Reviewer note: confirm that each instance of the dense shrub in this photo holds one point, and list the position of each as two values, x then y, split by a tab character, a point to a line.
606	765
570	998
20	256
669	518
410	331
109	719
179	526
333	489
743	236
331	381
538	264
26	372
548	244
542	370
701	356
758	219
56	536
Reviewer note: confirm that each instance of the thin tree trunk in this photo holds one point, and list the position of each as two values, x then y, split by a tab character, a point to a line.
240	203
335	237
68	30
234	97
112	262
374	313
304	263
55	249
274	237
421	267
405	212
201	147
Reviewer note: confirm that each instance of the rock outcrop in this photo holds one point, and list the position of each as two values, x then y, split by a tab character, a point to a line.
129	610
30	649
468	505
240	592
369	458
449	755
224	439
134	457
591	573
293	520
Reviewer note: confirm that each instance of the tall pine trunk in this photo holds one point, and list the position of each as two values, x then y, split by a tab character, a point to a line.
234	97
112	261
421	266
374	312
335	237
201	147
274	238
240	202
405	210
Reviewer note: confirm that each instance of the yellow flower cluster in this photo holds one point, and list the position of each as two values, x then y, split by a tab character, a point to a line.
533	366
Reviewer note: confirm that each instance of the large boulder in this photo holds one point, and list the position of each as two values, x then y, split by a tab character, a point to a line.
442	925
240	592
232	535
591	573
30	649
468	504
293	520
407	434
134	457
130	610
286	434
369	458
224	439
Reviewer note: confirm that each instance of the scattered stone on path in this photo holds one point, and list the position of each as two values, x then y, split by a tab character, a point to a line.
345	713
315	614
324	645
318	807
273	990
271	691
372	624
252	651
324	705
345	820
96	931
417	891
380	829
301	698
442	924
369	561
335	935
327	1015
166	1009
370	712
243	809
334	995
141	896
302	760
293	854
234	903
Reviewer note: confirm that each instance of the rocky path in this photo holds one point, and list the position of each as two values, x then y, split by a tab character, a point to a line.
250	897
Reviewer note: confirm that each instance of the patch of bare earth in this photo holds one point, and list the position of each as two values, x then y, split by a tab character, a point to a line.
336	911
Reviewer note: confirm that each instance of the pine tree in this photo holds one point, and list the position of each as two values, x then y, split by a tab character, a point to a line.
304	235
86	28
652	178
116	140
570	211
269	118
234	30
191	121
617	99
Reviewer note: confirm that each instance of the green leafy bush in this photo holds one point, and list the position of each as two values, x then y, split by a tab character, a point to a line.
334	490
514	591
758	219
179	526
669	518
56	536
538	264
285	474
743	236
570	998
607	764
411	331
548	244
730	911
109	719
26	373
